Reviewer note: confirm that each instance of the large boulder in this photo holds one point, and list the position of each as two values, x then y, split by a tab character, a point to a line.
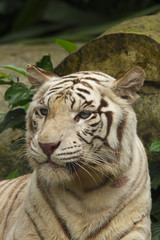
131	43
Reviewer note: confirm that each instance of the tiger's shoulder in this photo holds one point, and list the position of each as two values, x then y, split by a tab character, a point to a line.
14	190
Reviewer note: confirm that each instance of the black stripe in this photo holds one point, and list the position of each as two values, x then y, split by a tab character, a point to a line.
64	81
50	92
103	103
35	226
94	116
109	116
86	84
83	90
59	95
81	96
74	194
87	104
68	153
36	211
92	79
100	74
13	202
56	88
73	102
52	206
71	147
81	138
120	131
94	124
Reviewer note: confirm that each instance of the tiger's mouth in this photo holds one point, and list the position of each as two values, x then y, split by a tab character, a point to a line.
70	166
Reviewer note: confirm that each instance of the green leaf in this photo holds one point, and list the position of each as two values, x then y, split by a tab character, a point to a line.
156	207
155	227
16	69
4	75
2	82
12	175
155	182
45	63
155	146
68	46
13	119
25	107
2	115
18	95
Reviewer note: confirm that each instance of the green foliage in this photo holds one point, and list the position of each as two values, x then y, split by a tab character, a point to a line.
16	69
18	95
45	63
2	115
155	182
12	175
156	231
13	119
155	146
68	46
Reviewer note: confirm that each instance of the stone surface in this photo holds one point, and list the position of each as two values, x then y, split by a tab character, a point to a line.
131	43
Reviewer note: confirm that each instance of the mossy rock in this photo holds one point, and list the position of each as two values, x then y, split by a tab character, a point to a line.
12	154
132	43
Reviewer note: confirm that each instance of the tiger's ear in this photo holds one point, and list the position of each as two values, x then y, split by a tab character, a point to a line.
38	76
128	85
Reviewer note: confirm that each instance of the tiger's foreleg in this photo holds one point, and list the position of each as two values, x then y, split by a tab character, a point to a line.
140	231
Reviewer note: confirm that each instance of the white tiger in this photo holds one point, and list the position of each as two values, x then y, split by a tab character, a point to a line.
90	176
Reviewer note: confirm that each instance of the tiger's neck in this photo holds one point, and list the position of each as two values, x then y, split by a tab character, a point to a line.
81	182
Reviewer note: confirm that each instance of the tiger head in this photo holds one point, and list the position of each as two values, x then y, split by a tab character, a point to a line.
82	125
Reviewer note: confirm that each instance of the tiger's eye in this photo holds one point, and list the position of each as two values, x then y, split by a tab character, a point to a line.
43	111
84	114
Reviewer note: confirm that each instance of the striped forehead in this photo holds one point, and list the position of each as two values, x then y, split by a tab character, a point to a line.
90	76
87	79
83	84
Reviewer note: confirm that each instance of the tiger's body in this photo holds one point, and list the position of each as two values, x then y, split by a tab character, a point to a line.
90	178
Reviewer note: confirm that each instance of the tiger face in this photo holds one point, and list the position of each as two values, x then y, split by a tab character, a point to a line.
79	125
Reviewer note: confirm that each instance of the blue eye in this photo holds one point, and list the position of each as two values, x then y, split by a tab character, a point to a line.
42	112
84	114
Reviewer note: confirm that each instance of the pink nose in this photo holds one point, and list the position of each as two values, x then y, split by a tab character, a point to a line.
49	148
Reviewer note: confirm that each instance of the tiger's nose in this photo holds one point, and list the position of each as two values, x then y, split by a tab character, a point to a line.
49	148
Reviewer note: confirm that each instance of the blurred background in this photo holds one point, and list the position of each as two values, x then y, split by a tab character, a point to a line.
42	21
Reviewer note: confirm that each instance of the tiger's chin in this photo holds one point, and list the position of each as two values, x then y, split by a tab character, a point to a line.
53	173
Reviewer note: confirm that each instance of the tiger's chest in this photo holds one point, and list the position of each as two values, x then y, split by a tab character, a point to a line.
68	215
